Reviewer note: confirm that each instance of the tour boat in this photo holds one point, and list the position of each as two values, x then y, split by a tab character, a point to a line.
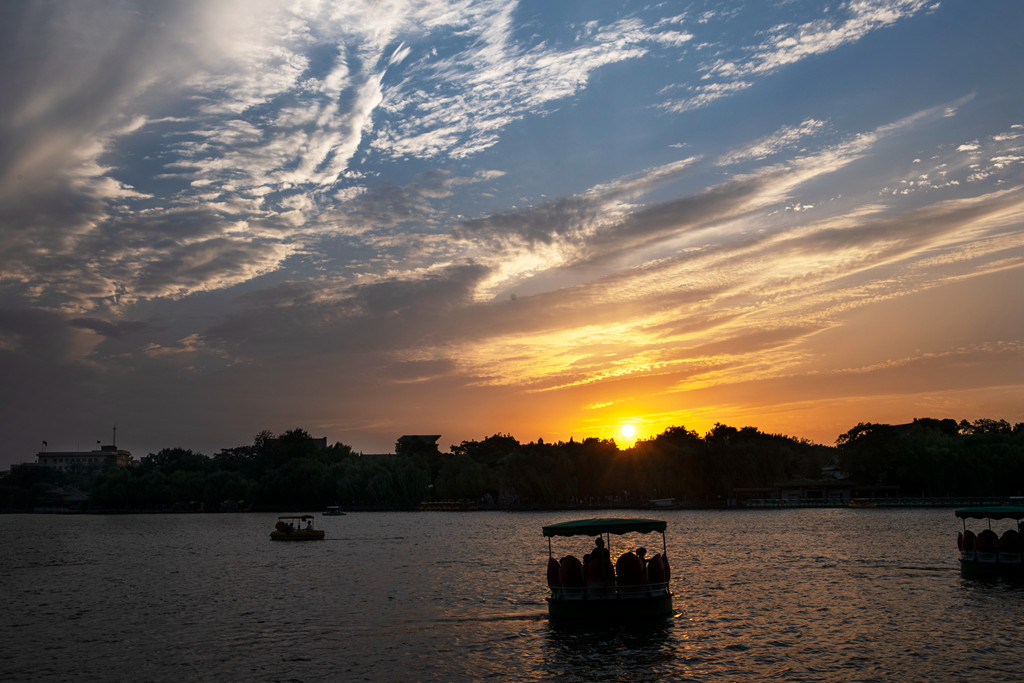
333	511
296	528
594	588
987	551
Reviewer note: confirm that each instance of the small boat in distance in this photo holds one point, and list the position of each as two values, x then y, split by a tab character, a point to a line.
988	552
296	528
594	588
333	511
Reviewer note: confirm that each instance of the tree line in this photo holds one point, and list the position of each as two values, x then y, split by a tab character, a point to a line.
294	471
932	457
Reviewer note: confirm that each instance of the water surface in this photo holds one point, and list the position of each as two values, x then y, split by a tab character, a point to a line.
813	594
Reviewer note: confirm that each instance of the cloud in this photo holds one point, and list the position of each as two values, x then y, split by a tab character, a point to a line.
736	68
996	158
111	328
460	102
791	43
259	111
250	192
781	139
722	269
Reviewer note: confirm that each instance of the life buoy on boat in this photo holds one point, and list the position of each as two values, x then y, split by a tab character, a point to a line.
1009	542
986	546
629	570
657	569
600	572
967	552
571	572
553	572
987	542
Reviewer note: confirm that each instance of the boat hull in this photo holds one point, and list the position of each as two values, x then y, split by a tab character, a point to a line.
611	608
300	535
975	568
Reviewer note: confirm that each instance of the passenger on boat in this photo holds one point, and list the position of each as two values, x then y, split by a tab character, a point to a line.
309	525
600	552
570	576
599	572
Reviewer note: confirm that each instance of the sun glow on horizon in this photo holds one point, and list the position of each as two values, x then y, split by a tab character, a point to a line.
627	433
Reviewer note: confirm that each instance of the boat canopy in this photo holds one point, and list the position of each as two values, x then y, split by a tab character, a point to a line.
992	512
608	525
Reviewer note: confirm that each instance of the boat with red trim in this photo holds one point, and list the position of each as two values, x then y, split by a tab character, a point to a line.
594	588
998	551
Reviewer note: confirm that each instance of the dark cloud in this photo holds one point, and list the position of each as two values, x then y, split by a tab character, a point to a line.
418	371
383	206
43	231
67	68
117	329
907	231
282	295
386	315
570	217
34	334
676	217
427	296
542	224
215	263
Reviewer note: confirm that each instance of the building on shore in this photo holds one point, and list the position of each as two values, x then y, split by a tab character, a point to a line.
103	456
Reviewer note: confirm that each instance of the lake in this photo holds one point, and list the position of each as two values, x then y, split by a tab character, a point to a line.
802	595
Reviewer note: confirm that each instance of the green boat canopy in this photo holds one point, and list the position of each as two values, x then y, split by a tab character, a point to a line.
992	512
608	525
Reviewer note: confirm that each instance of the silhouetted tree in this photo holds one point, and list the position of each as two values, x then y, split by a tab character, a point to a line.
170	460
488	452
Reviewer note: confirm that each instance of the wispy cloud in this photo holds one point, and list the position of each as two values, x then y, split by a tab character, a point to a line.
789	42
783	138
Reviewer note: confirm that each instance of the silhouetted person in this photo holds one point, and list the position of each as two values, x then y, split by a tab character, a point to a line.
600	552
600	572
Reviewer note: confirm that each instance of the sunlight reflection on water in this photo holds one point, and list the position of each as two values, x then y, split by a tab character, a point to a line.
789	594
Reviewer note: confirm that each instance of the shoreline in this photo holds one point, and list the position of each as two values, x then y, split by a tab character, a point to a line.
469	506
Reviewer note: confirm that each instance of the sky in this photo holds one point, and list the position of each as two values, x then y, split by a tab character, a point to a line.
547	219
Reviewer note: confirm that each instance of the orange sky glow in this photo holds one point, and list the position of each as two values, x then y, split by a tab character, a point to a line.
549	220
